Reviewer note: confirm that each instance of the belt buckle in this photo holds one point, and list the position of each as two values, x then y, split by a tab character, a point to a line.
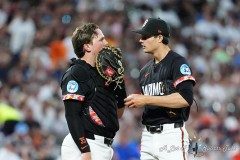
155	129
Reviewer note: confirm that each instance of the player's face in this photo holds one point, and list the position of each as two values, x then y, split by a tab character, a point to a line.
98	42
149	43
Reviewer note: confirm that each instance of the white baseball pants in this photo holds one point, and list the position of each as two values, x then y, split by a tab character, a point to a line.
99	150
171	144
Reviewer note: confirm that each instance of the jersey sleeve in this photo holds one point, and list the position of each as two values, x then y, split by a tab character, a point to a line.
73	114
182	72
74	89
121	95
74	86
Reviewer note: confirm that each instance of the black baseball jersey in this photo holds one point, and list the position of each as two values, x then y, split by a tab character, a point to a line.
82	83
171	71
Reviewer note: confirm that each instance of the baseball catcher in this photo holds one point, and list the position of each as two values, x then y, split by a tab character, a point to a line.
92	108
109	65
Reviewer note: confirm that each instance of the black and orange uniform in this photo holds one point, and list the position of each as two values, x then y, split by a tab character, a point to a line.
164	127
172	74
91	106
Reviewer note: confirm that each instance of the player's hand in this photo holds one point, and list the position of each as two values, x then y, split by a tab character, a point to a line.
86	156
135	100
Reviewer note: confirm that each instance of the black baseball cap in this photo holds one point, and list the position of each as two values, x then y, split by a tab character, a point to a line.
154	26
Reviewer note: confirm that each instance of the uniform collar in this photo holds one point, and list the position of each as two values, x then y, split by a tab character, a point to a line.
81	62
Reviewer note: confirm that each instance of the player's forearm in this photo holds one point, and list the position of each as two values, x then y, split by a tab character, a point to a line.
174	100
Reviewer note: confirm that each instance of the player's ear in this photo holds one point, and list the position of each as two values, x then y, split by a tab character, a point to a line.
160	38
86	47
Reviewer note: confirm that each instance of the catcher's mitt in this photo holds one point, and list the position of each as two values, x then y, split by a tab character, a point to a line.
109	65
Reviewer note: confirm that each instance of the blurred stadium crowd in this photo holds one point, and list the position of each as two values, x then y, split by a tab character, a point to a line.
35	49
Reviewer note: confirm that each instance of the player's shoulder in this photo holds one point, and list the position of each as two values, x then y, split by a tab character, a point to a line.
177	58
175	55
79	71
147	65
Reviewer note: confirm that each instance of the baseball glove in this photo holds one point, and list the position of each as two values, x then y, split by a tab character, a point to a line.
109	65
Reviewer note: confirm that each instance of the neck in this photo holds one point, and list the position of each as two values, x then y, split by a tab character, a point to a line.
161	53
90	59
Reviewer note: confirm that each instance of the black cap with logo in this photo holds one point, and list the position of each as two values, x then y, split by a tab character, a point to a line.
154	26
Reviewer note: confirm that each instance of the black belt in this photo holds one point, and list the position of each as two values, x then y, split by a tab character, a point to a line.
107	141
159	128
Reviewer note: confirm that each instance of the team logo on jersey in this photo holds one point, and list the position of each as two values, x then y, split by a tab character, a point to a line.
185	70
72	86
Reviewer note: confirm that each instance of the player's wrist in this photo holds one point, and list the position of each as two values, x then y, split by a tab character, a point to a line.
86	156
85	148
147	100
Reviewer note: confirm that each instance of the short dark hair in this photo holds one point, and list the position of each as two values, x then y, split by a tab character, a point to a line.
83	35
165	40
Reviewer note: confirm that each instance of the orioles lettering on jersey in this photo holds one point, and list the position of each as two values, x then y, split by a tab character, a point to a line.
153	89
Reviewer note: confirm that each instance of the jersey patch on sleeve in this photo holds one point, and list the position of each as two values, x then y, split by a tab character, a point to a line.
185	70
72	86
